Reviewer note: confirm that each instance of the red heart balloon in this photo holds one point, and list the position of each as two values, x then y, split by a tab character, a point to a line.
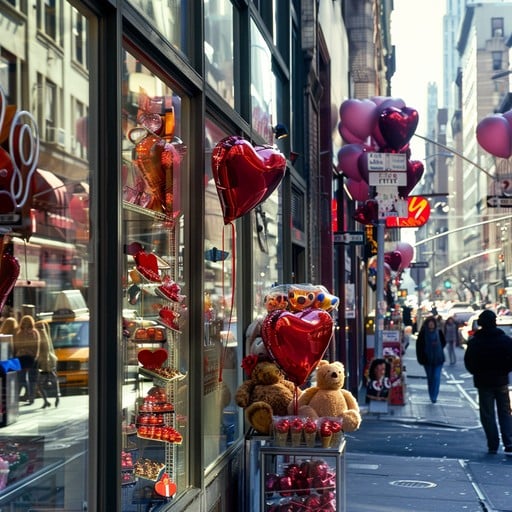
397	126
152	359
165	486
367	213
245	176
415	170
493	133
393	259
9	272
297	341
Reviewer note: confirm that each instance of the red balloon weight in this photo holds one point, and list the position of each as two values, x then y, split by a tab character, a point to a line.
493	133
297	341
397	126
9	272
244	175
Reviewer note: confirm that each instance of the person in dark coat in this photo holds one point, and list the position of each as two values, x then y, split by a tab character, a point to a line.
488	358
430	354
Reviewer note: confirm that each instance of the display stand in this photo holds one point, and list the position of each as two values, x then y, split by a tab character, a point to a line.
310	476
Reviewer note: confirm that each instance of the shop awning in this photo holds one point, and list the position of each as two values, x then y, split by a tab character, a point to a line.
49	192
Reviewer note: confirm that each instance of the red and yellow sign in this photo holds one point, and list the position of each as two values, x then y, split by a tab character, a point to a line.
418	209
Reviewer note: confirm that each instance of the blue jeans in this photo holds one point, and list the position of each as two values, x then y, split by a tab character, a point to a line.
488	398
433	380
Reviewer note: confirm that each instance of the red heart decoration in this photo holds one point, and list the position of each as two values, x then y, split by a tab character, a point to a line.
393	259
493	133
367	213
415	170
397	126
297	341
9	272
152	359
165	486
147	265
245	176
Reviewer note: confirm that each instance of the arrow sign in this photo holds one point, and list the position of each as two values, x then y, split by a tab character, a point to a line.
499	201
349	237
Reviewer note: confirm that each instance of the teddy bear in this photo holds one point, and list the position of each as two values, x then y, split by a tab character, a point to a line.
328	398
266	393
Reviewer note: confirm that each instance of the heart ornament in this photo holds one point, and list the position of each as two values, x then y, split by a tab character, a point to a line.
165	486
152	359
297	341
245	175
9	272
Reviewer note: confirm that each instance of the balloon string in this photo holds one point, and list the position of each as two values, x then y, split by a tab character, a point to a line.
233	285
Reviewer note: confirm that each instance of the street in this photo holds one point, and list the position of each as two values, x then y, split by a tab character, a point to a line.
421	457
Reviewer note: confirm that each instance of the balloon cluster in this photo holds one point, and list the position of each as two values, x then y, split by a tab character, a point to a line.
395	261
298	327
494	134
379	124
308	486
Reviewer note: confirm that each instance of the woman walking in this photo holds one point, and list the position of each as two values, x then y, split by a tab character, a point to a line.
47	364
430	354
451	333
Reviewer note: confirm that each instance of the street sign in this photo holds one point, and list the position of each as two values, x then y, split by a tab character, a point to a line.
499	201
394	178
349	237
387	162
419	264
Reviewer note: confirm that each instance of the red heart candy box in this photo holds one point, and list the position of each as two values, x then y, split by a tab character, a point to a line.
165	486
152	358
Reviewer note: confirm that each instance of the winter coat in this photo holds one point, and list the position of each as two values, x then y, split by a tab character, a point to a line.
488	357
425	353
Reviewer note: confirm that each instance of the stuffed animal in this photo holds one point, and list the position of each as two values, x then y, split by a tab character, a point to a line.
328	398
265	394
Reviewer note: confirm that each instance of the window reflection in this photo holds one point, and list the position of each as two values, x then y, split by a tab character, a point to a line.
223	337
45	228
218	47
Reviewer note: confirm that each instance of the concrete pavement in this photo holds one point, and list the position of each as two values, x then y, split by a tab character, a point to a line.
421	457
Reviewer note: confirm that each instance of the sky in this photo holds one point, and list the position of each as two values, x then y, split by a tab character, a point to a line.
416	32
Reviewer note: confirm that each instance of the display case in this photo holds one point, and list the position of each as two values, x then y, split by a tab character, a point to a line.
310	478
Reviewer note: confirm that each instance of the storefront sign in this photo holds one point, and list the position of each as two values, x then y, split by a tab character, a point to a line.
418	209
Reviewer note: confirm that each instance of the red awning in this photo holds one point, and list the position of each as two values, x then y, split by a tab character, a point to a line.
49	192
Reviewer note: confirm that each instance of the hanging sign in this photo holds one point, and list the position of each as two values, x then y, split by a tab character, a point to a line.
418	212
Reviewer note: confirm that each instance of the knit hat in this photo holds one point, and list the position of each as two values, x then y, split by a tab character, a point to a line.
487	319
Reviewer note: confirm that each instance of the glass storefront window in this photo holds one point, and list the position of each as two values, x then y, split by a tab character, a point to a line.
154	354
45	238
223	336
263	86
167	18
218	47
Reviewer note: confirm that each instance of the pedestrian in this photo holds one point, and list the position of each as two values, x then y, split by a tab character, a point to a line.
451	334
430	354
47	365
488	358
26	348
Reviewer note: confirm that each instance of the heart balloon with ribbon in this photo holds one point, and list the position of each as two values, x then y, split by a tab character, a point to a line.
245	175
297	341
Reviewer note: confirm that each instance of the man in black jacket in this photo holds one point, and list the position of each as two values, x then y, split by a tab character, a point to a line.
489	359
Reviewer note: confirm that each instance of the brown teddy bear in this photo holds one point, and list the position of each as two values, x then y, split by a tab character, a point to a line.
328	398
265	394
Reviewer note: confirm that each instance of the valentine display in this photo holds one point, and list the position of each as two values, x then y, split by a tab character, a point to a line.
245	175
300	479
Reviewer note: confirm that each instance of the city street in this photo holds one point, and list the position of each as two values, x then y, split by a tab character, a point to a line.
421	457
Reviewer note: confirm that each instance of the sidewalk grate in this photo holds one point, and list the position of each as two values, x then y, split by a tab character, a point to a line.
417	484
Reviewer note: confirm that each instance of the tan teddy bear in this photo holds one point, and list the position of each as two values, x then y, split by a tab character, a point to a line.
265	394
328	398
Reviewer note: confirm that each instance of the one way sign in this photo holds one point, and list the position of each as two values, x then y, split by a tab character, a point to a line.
499	201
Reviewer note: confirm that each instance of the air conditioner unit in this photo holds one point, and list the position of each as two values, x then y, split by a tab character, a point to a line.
56	136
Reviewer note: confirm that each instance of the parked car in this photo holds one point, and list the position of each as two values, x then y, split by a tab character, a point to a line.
470	327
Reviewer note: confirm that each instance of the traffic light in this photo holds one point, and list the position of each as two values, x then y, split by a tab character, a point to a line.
447	284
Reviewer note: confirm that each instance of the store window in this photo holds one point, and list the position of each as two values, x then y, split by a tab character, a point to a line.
223	336
263	86
154	350
167	18
45	244
218	48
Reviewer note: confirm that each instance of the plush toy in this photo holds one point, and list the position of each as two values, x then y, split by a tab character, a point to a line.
328	398
265	394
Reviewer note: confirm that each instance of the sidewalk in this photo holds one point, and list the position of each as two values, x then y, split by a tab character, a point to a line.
421	456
